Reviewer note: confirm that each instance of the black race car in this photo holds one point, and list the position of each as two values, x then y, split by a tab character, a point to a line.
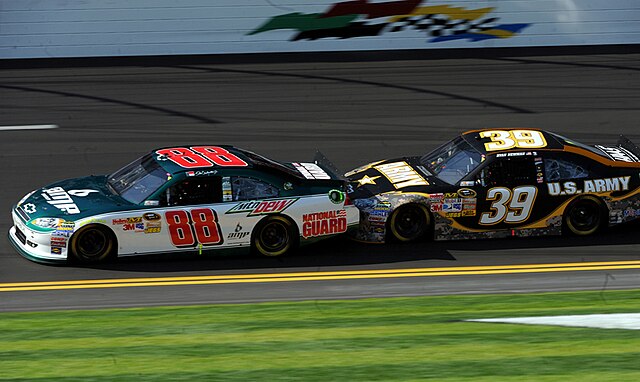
498	183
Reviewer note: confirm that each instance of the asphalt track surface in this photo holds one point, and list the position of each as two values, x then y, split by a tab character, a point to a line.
354	112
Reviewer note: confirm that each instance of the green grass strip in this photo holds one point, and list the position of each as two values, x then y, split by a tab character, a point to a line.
393	339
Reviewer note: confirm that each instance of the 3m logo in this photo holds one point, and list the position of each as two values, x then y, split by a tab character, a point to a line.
262	207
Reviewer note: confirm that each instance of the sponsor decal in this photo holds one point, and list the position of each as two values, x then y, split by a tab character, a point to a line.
467	183
151	216
153	227
56	250
324	223
311	171
29	208
618	154
262	207
364	18
66	226
238	233
467	193
451	205
60	199
129	220
401	175
631	212
201	173
81	193
227	191
59	242
620	183
136	227
378	215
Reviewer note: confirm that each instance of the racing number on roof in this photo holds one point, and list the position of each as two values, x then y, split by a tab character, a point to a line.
508	139
202	156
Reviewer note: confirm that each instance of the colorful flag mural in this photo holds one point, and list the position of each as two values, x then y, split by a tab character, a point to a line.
360	18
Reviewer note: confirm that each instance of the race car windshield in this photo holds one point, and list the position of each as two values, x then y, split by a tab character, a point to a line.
452	161
139	179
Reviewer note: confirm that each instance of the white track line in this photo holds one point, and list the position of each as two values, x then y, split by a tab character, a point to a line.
29	127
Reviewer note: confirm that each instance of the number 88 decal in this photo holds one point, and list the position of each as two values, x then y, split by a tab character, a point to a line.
199	226
509	206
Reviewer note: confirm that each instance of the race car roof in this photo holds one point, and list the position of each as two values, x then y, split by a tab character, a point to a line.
177	159
504	140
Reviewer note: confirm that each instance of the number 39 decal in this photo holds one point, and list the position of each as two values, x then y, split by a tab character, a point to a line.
523	139
509	206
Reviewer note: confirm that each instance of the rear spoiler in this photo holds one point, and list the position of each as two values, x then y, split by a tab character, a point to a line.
626	144
321	160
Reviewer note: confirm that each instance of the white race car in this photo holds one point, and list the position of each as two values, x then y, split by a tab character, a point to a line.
178	199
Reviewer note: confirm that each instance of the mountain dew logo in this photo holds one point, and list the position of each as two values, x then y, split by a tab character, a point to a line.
361	18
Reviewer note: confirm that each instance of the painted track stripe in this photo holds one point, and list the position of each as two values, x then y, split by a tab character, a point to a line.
317	276
29	127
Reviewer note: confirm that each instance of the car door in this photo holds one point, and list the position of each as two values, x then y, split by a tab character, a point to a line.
506	189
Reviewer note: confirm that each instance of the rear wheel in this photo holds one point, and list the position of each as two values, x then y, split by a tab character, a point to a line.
274	236
92	244
585	216
410	222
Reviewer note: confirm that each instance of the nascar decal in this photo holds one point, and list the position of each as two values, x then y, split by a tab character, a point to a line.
311	171
350	19
618	153
324	223
401	175
620	183
262	207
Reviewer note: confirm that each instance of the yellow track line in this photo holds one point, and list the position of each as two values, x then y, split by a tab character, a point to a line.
316	276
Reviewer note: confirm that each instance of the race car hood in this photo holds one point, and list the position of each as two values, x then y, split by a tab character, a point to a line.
71	199
401	174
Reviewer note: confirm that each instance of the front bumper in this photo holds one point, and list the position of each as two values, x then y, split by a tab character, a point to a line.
34	245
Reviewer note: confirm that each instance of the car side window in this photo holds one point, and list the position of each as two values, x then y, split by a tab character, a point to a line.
513	171
560	169
204	190
244	188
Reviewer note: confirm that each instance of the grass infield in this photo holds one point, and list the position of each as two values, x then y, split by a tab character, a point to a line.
391	339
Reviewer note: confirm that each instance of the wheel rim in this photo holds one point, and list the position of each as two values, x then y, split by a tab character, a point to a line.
409	223
584	216
92	243
274	236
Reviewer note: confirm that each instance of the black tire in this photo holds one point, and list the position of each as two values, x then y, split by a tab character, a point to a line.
92	244
275	236
585	216
409	222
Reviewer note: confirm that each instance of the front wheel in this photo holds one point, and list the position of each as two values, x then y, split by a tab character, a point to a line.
585	216
410	222
274	236
92	244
